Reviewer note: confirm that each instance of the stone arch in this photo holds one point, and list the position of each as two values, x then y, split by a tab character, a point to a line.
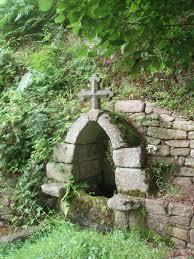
129	176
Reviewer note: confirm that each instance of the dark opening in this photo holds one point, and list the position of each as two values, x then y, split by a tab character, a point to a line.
94	157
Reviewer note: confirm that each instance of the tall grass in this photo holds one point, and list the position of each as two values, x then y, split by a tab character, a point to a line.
70	241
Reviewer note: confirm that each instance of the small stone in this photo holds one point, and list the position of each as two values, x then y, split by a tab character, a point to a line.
153	141
166	124
155	207
181	161
166	118
189	162
192	222
130	106
190	246
123	203
179	151
191	135
53	189
128	179
180	233
183	125
178	243
186	171
168	159
192	153
184	183
137	116
192	236
162	150
151	107
153	116
158	223
177	143
191	143
184	221
166	133
128	157
151	123
179	209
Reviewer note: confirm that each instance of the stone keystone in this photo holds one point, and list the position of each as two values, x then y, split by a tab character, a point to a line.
95	93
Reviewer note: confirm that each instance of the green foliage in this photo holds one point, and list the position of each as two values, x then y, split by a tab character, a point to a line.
66	240
152	34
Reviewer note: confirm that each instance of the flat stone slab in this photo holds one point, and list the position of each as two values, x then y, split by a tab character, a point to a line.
53	189
166	133
123	203
155	207
64	153
128	157
128	179
130	106
178	209
177	143
183	125
151	107
189	162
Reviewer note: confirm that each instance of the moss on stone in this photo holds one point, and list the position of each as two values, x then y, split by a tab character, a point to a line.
129	133
90	210
135	193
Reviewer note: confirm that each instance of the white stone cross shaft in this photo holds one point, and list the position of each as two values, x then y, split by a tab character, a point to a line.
95	93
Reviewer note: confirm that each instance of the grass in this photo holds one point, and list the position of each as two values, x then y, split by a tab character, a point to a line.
66	240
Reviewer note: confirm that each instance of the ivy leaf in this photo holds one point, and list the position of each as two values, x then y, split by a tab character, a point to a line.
60	19
45	5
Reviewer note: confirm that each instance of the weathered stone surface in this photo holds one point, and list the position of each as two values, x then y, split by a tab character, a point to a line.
179	209
130	106
64	153
153	116
130	180
186	171
166	118
59	172
166	133
168	159
177	143
181	160
192	153
137	116
151	123
162	150
185	184
112	131
128	157
184	221
89	169
190	246
151	107
178	243
93	115
123	203
180	233
155	207
121	220
166	124
191	143
191	135
192	222
183	125
158	223
53	189
153	141
76	129
192	236
179	151
189	162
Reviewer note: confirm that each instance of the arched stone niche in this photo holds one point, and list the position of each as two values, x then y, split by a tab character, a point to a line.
83	155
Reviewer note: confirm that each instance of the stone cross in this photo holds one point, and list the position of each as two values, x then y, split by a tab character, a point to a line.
95	93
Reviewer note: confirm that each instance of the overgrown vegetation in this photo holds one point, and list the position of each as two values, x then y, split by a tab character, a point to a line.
69	241
33	120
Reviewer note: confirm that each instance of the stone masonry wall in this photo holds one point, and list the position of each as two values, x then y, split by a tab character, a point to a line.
168	137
